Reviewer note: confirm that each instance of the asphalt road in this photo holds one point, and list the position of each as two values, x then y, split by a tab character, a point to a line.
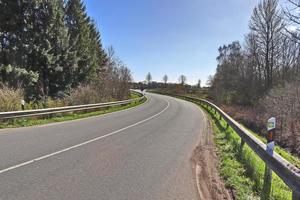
142	153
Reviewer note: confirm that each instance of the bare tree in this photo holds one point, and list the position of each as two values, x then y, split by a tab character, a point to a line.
182	79
165	79
284	104
291	12
266	25
149	77
116	78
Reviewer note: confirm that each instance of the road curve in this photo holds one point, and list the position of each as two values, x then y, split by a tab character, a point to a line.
138	154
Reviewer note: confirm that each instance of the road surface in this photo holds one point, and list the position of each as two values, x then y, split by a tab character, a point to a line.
142	153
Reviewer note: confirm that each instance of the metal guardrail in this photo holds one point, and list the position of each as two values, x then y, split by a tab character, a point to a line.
285	170
66	109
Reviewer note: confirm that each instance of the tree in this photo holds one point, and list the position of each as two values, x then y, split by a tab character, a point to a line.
14	36
293	18
182	79
77	22
228	85
199	83
165	79
266	25
149	77
48	48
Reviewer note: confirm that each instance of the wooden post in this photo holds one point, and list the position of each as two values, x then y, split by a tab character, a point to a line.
242	145
265	195
241	149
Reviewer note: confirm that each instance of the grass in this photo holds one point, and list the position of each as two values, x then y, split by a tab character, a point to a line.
243	170
286	155
134	95
67	117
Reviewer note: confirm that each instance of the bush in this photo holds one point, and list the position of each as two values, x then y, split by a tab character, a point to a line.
284	104
84	94
10	99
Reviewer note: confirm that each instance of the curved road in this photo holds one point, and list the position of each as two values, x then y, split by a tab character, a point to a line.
142	153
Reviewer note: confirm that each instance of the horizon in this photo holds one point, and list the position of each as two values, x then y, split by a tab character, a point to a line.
170	38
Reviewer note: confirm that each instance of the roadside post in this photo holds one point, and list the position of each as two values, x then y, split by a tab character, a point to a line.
23	104
271	127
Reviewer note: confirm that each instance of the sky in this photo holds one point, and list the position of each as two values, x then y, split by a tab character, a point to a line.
170	37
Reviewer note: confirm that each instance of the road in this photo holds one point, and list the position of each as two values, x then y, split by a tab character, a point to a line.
143	153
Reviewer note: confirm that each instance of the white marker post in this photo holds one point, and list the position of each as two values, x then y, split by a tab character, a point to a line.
23	104
271	126
271	132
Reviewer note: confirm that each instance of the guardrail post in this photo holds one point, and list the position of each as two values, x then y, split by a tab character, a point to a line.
241	148
296	195
270	149
267	184
242	144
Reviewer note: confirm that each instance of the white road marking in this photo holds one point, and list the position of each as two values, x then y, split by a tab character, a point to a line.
84	143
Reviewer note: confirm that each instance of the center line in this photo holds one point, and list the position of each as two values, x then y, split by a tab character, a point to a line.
84	143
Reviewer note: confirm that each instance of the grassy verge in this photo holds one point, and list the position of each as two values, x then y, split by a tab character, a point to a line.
242	169
67	117
286	155
134	95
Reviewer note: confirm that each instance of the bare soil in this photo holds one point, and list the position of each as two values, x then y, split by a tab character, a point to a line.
209	182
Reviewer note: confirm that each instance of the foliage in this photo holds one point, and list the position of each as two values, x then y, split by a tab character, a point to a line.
269	59
64	117
182	79
284	104
149	78
264	74
10	99
243	170
84	95
49	48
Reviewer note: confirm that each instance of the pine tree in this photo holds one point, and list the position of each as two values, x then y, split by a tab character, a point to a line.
11	18
97	53
64	60
79	30
49	51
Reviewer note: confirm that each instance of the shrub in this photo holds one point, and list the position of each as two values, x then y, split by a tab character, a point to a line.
10	99
84	94
284	104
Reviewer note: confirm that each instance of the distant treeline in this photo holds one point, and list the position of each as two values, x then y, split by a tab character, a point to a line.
261	78
50	48
268	58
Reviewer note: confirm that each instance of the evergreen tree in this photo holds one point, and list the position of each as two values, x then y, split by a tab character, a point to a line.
78	25
64	60
11	18
50	47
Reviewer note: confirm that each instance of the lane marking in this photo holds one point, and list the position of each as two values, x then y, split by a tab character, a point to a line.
84	143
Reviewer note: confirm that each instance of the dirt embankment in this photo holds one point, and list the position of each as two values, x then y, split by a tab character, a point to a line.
209	182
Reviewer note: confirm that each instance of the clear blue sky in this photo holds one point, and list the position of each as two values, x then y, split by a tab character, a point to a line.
170	37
